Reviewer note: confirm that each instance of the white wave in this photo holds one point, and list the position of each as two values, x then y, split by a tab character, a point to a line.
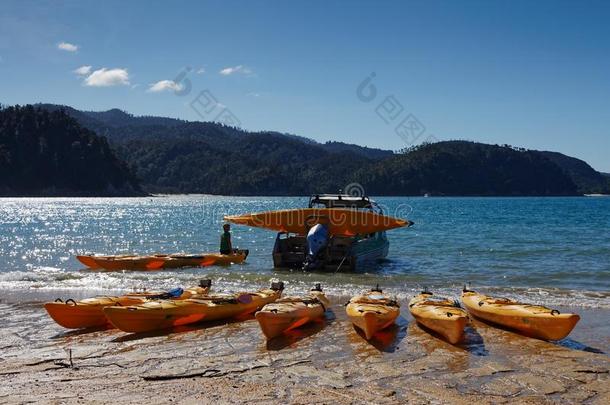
51	279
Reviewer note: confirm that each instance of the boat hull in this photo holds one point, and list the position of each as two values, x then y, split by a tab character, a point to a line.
344	253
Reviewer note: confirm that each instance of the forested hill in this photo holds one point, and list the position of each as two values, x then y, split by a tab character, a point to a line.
49	153
175	156
121	127
586	178
468	168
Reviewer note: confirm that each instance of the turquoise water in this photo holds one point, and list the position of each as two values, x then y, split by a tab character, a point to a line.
551	250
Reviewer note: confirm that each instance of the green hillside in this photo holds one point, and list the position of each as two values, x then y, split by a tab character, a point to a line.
49	153
175	156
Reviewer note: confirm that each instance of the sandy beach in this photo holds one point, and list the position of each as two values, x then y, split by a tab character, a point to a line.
326	362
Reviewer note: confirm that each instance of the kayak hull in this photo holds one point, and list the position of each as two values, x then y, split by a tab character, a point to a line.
372	312
530	320
85	314
89	313
440	316
164	314
290	313
156	262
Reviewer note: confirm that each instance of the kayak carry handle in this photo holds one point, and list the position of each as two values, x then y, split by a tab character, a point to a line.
70	300
58	300
317	287
205	283
277	286
555	312
376	289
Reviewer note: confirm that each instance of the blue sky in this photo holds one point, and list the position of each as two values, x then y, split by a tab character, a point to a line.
531	74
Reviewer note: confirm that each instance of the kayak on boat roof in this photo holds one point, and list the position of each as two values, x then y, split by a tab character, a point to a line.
340	221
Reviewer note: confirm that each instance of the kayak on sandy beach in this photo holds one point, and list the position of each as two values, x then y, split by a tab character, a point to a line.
89	313
440	315
372	311
534	321
161	261
164	314
291	312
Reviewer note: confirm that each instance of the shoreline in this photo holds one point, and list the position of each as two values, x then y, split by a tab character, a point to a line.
325	362
169	195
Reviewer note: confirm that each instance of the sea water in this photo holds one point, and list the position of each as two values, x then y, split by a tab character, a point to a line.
554	251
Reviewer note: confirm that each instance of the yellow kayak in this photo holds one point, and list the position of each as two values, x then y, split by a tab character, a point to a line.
89	313
164	314
291	312
439	315
372	311
161	261
340	221
530	320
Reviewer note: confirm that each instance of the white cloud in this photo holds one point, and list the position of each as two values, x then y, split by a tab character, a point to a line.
165	85
83	70
66	46
107	77
200	71
236	69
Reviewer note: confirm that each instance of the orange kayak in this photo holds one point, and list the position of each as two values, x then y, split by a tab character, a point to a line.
89	313
340	221
530	320
156	262
439	315
291	312
165	314
372	312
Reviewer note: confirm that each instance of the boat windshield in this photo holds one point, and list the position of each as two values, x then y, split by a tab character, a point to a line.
343	201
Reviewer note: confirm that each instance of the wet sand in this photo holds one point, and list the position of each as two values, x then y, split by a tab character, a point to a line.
326	362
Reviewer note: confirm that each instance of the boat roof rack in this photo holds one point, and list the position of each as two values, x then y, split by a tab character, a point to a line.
341	201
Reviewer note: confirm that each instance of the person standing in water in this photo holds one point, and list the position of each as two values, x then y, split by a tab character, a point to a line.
226	247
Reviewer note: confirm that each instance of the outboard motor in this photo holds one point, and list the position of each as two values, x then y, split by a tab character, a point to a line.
317	239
